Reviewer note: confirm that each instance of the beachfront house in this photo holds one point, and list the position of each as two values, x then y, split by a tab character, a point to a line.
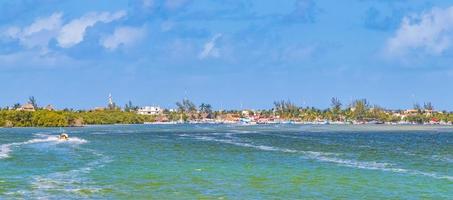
246	113
49	107
428	112
149	110
27	107
98	109
411	112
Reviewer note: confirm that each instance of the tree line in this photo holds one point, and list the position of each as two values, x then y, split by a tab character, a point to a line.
186	110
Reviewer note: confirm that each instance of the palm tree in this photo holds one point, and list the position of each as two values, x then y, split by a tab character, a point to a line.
206	109
16	106
336	107
186	107
130	107
361	107
428	106
286	109
32	101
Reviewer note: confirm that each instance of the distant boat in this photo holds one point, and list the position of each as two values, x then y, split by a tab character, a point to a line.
63	135
375	122
246	121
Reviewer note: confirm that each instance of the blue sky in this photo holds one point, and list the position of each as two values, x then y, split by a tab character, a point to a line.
226	52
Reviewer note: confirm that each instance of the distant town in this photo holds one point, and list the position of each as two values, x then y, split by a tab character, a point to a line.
359	111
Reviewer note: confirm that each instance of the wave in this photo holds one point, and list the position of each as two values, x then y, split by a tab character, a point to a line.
284	136
260	147
54	139
66	183
243	131
5	149
330	158
447	159
98	133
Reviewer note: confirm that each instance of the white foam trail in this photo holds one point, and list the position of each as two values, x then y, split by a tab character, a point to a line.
5	149
65	182
284	136
54	139
261	147
442	158
242	131
326	157
353	163
98	133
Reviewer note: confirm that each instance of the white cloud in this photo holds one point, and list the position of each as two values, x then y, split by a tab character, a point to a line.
210	49
37	34
50	23
431	32
44	29
74	32
13	32
123	36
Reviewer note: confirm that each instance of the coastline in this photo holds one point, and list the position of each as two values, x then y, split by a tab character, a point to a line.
358	113
332	126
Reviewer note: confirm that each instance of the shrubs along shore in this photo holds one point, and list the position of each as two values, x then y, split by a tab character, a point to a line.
46	118
358	112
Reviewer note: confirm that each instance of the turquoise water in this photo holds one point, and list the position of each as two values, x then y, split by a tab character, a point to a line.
228	162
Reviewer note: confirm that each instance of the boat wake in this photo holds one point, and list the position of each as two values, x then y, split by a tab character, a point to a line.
327	157
61	183
5	149
66	183
444	158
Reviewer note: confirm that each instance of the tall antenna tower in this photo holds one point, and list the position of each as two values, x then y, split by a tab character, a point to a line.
110	100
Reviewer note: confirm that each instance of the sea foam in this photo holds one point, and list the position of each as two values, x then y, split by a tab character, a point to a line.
5	149
330	158
67	183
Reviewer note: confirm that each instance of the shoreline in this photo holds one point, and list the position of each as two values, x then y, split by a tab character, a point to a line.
242	125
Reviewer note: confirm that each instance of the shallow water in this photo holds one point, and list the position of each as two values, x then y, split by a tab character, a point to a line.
228	162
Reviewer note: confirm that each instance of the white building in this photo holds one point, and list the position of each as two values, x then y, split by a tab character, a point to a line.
149	110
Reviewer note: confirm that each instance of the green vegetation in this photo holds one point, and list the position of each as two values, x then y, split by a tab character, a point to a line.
286	109
359	111
46	118
187	111
113	117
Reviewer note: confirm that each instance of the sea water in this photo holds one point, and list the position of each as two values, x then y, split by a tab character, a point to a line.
228	162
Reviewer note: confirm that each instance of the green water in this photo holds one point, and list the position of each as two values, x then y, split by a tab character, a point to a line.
228	162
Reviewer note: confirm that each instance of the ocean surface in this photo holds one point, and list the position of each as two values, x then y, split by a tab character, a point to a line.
228	162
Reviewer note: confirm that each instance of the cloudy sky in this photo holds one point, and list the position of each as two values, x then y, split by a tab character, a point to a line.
226	52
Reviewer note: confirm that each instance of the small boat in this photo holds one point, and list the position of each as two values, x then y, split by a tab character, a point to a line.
63	136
